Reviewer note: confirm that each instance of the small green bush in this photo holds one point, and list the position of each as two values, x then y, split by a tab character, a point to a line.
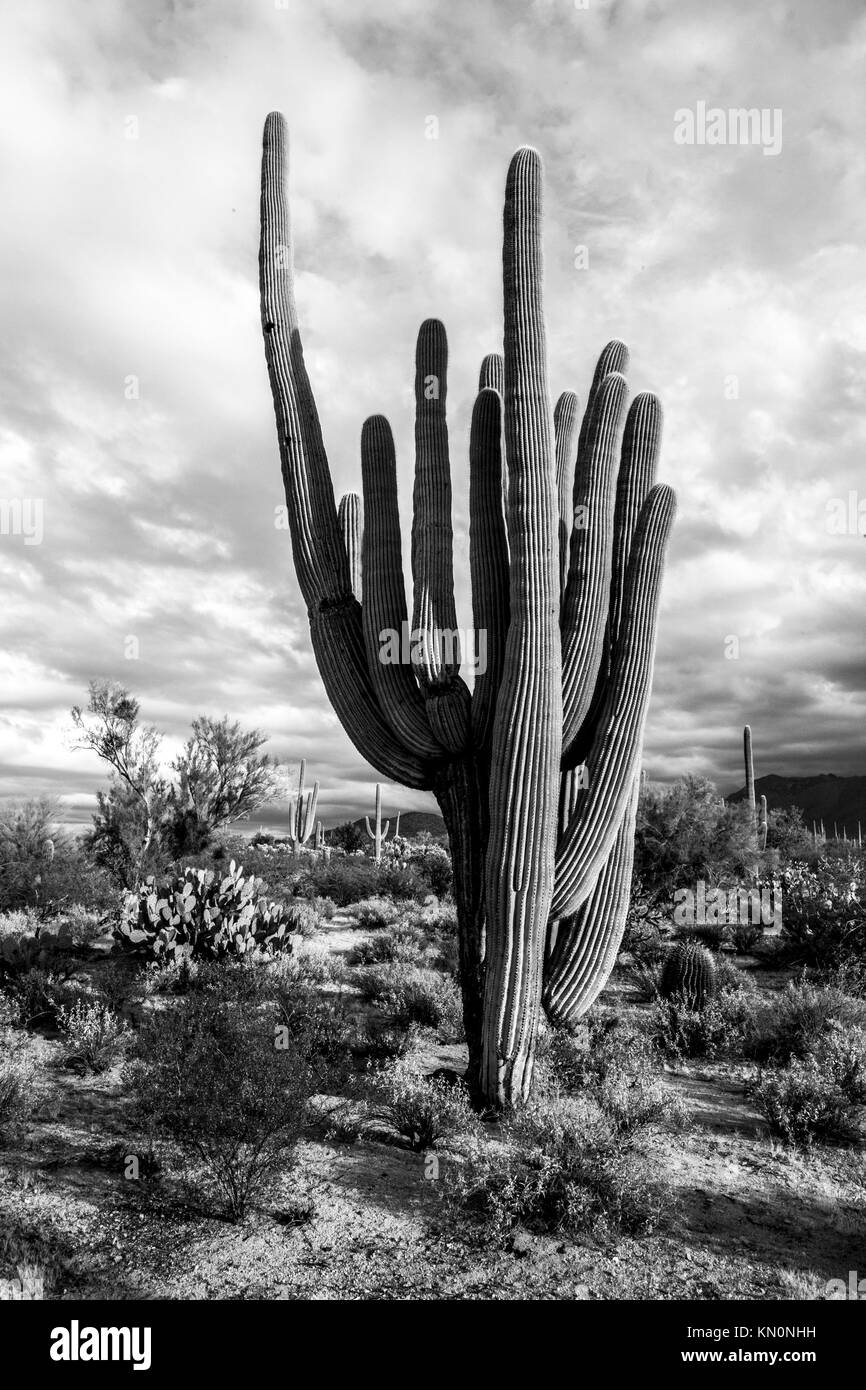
398	943
93	1031
413	995
427	1111
818	1097
18	1081
562	1167
793	1023
375	913
681	1032
209	1077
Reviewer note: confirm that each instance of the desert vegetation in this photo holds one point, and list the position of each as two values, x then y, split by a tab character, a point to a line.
247	1076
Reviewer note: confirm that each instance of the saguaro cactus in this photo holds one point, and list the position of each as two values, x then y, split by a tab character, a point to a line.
763	826
536	771
302	812
750	778
376	831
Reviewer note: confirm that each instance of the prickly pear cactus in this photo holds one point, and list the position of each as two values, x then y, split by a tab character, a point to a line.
691	972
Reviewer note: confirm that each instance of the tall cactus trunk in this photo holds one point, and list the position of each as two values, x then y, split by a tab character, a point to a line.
461	792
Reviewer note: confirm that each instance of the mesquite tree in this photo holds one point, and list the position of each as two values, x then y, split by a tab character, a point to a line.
536	770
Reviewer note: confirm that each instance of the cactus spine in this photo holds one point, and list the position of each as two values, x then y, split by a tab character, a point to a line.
536	772
689	971
302	812
377	831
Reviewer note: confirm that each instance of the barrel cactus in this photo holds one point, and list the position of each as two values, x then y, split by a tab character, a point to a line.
690	972
536	769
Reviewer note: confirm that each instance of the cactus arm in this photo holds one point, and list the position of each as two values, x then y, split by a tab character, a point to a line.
565	428
370	831
614	759
587	592
524	779
587	943
384	609
762	837
434	612
320	558
488	557
351	526
310	816
639	456
321	563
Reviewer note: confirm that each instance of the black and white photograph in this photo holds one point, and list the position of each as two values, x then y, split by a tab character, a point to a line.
432	675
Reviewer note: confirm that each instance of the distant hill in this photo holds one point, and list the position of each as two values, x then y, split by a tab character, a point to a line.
826	797
413	823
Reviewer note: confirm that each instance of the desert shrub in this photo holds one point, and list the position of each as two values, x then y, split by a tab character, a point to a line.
325	908
18	1082
35	997
116	981
561	1167
202	914
817	1097
345	880
400	943
374	913
824	913
93	1032
19	921
745	937
646	977
302	918
713	935
614	1064
317	1025
794	1022
849	977
411	994
428	1111
346	1122
681	1031
313	963
208	1077
378	1040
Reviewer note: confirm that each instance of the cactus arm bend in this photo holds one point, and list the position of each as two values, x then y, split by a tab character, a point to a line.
321	562
637	471
614	759
587	591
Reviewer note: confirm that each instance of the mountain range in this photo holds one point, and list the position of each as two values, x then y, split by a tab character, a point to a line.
839	801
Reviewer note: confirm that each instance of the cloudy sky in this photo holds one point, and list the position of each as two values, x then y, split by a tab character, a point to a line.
134	401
